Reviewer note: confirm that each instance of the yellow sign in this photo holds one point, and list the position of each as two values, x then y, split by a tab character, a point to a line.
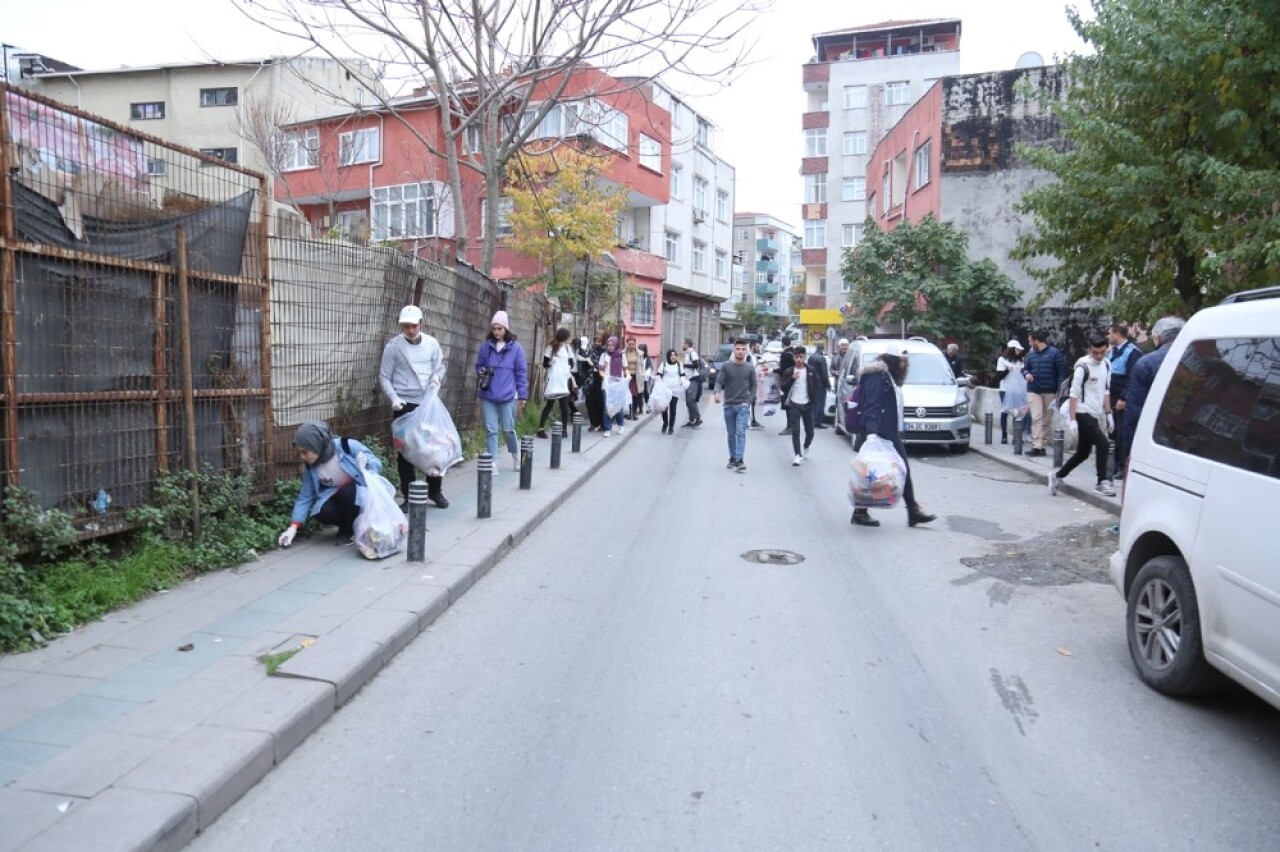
821	316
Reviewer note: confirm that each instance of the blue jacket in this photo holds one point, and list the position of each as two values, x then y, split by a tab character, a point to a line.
1135	393
510	371
1048	367
878	402
313	495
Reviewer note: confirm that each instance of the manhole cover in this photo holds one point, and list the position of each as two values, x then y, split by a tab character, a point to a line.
773	557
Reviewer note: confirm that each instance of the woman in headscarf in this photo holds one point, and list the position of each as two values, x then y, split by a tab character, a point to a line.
612	368
333	480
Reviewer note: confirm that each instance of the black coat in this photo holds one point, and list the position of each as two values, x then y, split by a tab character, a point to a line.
816	383
878	402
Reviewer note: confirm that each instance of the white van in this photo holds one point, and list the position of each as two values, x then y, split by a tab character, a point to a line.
1199	560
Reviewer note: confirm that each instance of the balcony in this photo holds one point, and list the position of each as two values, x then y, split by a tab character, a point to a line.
767	246
768	266
816	76
766	291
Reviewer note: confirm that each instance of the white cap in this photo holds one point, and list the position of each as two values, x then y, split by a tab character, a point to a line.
844	341
1013	344
411	314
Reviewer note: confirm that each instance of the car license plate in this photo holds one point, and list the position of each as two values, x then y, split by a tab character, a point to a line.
922	427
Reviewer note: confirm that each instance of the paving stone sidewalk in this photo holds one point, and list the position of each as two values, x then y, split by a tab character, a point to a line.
1079	485
137	731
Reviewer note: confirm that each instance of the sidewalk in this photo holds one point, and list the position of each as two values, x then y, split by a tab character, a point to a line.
1079	485
137	731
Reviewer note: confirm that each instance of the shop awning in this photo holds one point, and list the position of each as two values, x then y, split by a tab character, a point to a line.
821	316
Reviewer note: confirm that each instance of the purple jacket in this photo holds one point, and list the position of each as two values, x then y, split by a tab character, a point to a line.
510	371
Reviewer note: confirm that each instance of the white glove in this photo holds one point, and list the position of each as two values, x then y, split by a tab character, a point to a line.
286	537
434	382
362	461
1111	422
397	405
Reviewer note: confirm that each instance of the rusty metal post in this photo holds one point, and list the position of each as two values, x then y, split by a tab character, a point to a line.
188	378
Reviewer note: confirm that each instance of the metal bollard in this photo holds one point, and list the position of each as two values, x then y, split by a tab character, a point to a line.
557	438
988	425
1017	437
484	486
526	462
576	444
417	521
1059	442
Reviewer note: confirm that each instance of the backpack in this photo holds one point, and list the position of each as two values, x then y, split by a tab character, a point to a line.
852	412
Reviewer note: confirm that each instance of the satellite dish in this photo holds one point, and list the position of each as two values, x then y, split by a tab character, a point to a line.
1030	59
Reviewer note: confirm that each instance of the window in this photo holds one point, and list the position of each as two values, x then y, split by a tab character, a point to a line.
679	113
815	142
897	93
850	235
297	149
886	186
699	197
923	162
406	210
815	188
704	133
156	167
227	155
822	286
853	189
642	307
699	256
1223	404
677	180
744	233
815	233
358	146
650	150
505	207
855	143
722	205
612	129
722	265
351	223
227	96
672	247
855	97
146	110
471	138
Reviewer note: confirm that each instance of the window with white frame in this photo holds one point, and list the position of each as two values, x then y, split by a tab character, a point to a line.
156	167
677	180
347	222
704	133
227	155
886	185
404	211
642	307
855	142
722	264
845	286
762	278
672	247
699	256
223	96
815	188
923	163
822	286
744	233
650	151
815	233
897	93
297	149
815	142
505	207
853	189
722	205
855	97
146	110
358	146
850	235
471	139
699	196
612	127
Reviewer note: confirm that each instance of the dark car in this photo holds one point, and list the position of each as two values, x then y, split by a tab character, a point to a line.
722	354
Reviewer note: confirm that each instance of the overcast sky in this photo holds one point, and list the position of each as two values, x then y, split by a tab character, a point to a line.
758	114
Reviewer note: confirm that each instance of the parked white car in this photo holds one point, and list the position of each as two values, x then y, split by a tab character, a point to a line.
1199	560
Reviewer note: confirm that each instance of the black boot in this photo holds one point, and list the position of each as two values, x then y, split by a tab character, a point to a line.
916	515
863	518
435	492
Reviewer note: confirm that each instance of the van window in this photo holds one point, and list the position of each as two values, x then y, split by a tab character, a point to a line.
1223	404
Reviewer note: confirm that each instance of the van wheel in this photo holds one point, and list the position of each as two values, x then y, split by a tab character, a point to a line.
1162	623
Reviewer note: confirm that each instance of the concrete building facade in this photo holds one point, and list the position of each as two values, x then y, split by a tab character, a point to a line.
768	247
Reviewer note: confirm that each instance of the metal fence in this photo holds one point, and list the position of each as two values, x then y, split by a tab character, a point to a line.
151	325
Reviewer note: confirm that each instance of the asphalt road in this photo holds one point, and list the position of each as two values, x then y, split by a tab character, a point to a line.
626	679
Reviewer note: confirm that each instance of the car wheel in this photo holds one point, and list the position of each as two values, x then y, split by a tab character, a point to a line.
1162	624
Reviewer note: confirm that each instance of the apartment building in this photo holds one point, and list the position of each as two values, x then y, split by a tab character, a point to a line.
858	84
768	247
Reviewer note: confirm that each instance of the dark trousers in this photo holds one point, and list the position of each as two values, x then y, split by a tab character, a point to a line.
408	473
796	415
1122	447
595	404
340	510
669	416
908	490
1091	437
566	416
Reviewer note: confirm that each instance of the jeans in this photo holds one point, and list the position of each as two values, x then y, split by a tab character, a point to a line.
736	418
1091	436
616	420
796	415
499	416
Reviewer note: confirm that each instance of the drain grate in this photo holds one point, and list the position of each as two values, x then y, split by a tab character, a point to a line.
773	557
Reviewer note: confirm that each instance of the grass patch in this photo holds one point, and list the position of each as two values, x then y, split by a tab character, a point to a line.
275	661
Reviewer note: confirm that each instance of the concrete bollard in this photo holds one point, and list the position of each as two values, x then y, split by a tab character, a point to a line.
1017	437
1059	443
576	443
557	438
484	486
526	462
988	426
417	521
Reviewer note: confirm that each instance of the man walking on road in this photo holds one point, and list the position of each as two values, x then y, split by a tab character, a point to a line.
412	364
736	388
693	369
1045	369
1123	355
1090	408
818	365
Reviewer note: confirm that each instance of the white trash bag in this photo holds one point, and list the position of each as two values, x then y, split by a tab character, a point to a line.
381	528
877	475
427	438
660	397
617	394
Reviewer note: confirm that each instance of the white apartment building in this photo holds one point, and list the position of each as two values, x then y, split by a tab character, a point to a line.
858	84
767	246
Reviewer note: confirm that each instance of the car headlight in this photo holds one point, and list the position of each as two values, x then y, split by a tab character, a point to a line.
962	408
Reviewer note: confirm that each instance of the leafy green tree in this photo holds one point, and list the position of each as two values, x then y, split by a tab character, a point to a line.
919	277
752	318
1167	185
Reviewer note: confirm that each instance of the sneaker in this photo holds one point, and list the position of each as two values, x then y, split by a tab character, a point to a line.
698	422
797	461
741	466
542	433
607	432
1104	488
732	464
687	424
756	424
1004	439
515	461
621	429
1053	483
344	540
439	500
1036	451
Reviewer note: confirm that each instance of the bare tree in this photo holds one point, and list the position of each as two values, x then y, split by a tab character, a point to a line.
495	69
